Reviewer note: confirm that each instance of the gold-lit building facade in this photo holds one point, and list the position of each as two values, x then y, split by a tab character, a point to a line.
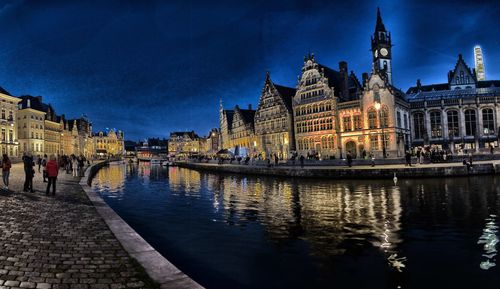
109	143
8	124
185	143
332	112
31	124
237	130
274	120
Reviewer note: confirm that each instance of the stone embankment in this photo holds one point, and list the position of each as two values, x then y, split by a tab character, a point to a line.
354	172
156	266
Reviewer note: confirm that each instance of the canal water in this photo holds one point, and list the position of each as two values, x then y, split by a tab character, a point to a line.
234	231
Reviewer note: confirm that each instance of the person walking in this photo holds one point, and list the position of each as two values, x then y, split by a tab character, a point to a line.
74	166
301	161
418	155
52	171
44	170
39	162
408	158
6	165
29	172
372	156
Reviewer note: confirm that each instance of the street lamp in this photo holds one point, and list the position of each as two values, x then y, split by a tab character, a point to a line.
377	107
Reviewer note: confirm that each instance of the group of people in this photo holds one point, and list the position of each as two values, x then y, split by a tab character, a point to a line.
48	166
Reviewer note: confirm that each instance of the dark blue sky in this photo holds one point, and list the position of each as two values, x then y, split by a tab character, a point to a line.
153	67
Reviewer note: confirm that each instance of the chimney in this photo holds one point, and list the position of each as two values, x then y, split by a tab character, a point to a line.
250	106
365	78
344	80
28	103
419	85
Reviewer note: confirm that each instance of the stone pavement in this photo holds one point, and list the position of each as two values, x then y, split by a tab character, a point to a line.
60	241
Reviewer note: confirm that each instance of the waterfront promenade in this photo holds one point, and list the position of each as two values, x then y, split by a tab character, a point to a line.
60	241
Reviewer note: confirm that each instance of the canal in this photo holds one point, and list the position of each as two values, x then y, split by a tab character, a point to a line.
233	231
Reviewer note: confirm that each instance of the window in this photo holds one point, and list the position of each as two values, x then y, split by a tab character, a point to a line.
324	143
4	135
406	121
3	113
399	119
347	123
419	126
330	142
372	118
470	122
384	117
488	122
374	142
11	135
453	129
436	131
357	122
386	141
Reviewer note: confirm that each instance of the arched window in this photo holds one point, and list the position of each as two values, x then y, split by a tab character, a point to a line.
419	125
436	127
453	128
488	122
372	118
470	122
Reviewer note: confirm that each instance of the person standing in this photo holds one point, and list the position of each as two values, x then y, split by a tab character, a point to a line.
74	166
44	166
301	161
349	158
6	165
29	172
418	156
39	162
52	171
408	158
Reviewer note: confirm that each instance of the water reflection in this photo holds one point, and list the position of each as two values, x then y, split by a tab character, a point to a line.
327	230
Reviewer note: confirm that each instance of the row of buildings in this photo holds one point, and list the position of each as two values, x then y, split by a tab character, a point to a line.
28	125
331	112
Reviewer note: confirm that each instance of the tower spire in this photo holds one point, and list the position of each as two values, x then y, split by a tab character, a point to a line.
379	27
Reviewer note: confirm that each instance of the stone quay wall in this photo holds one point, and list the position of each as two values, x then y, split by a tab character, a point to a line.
380	172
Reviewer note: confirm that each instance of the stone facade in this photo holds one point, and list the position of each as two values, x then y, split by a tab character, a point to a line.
237	130
31	124
274	120
458	115
8	124
109	143
185	143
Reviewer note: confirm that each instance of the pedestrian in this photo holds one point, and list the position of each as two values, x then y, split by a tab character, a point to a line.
29	172
6	165
491	149
39	162
418	156
44	165
408	158
301	161
52	171
349	159
372	156
470	158
74	166
276	159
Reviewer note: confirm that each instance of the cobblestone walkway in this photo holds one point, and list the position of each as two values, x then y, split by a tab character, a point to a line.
59	241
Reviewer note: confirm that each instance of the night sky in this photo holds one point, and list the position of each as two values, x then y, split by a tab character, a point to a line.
152	68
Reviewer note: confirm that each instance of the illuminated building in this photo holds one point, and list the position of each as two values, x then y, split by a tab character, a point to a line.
212	142
79	133
237	130
9	124
274	120
31	124
479	63
460	114
109	143
185	143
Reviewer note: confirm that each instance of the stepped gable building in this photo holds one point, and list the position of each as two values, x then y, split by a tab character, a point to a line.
274	120
335	114
460	114
237	129
109	143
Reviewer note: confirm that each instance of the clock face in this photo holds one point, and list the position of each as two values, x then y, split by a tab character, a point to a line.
376	53
384	52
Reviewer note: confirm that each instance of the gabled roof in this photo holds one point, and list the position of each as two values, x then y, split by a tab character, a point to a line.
488	83
287	94
2	90
35	102
460	66
191	134
334	80
432	87
229	113
247	115
453	93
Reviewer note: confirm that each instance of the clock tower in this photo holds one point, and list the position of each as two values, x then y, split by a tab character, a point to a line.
381	49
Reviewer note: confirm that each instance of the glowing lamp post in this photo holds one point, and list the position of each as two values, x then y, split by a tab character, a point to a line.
377	107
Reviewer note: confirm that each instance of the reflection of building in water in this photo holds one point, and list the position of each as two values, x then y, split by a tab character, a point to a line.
184	181
489	241
111	179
